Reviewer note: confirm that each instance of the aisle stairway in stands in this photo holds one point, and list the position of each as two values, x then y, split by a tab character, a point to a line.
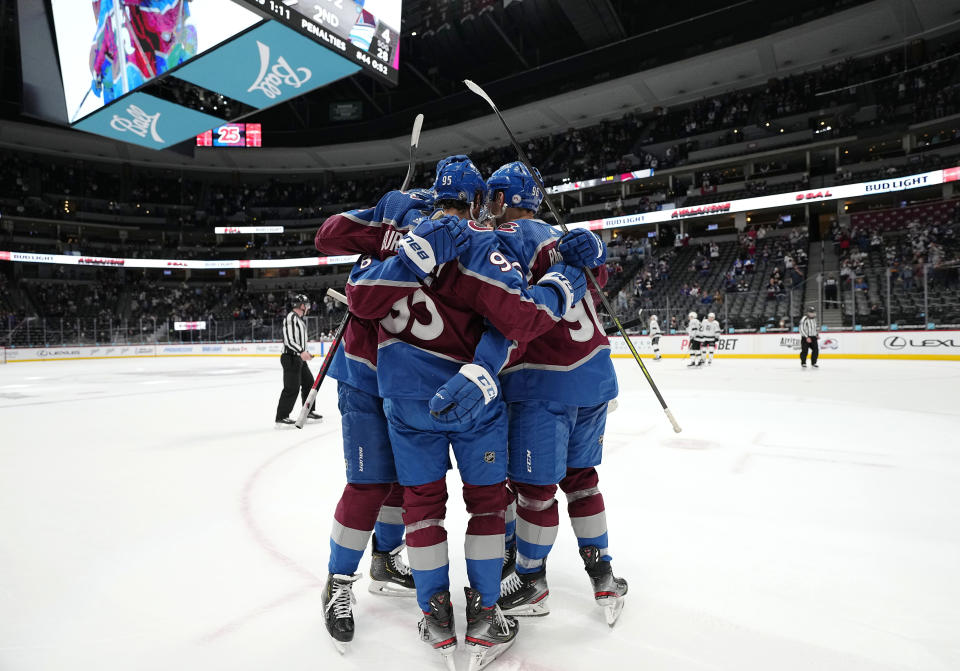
832	315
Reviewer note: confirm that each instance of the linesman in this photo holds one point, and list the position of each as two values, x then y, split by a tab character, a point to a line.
296	372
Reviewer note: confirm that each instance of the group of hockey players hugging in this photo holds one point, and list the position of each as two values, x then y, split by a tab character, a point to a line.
471	328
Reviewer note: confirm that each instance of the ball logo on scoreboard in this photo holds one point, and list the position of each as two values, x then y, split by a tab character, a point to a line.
271	79
140	123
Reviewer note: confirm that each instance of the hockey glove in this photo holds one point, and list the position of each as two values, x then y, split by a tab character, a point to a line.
464	396
568	281
431	243
582	248
393	206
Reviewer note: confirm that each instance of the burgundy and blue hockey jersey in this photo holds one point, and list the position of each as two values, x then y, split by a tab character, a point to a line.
370	233
571	362
427	331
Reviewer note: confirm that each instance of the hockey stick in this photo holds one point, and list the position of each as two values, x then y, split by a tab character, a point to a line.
563	226
614	330
414	143
336	295
328	357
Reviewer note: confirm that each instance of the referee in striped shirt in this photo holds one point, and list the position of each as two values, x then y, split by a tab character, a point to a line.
809	333
296	372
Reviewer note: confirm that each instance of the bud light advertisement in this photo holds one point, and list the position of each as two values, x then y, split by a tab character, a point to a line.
147	121
266	66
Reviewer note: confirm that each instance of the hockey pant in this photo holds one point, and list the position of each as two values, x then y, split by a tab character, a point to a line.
655	343
707	349
371	499
695	353
421	452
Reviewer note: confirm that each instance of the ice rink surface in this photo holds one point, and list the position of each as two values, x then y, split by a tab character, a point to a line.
152	518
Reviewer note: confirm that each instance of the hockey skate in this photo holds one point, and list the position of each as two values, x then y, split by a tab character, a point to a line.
389	575
437	628
489	632
525	594
608	590
338	600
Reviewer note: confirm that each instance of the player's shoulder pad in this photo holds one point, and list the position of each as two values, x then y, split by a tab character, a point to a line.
537	229
486	252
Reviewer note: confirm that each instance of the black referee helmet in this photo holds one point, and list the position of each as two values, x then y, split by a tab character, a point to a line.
301	299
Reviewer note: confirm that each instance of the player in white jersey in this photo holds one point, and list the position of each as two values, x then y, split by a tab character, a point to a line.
693	334
655	337
709	333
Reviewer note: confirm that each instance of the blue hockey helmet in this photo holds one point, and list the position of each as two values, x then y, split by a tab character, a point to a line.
518	185
459	179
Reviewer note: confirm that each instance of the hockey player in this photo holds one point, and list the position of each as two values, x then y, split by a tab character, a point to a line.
693	335
430	327
709	334
372	498
655	337
557	393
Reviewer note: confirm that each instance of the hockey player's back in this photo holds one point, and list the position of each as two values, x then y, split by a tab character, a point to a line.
571	362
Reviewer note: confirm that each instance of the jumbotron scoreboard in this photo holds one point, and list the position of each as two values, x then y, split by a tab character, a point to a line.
159	72
368	39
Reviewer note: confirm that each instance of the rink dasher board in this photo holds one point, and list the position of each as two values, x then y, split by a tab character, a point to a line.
83	353
892	345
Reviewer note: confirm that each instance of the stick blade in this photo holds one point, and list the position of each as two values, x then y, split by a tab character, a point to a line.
415	135
337	296
673	421
480	92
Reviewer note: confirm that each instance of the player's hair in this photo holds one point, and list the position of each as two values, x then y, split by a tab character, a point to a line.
445	203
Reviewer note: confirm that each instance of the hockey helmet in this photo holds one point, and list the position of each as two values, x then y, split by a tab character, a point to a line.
653	318
811	310
459	179
692	315
711	316
301	299
518	186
